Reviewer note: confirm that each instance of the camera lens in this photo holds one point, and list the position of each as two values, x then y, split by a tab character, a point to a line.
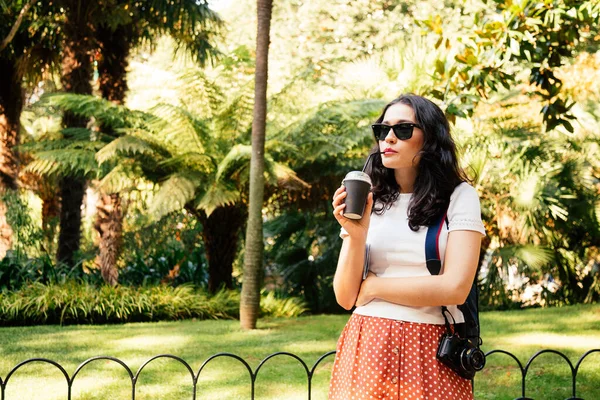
473	358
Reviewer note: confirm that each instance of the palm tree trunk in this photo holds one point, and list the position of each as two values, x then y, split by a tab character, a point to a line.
72	190
109	224
50	217
220	234
11	104
76	78
112	70
115	46
253	258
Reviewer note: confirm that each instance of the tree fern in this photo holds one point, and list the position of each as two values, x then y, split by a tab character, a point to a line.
218	194
103	111
124	145
234	163
66	161
334	128
204	95
191	161
124	177
180	127
235	119
174	194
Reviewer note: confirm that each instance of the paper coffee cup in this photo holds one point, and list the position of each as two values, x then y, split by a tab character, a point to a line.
358	185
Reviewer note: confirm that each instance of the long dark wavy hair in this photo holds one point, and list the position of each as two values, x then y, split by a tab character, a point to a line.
438	170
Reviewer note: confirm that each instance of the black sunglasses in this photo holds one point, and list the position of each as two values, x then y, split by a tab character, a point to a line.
402	131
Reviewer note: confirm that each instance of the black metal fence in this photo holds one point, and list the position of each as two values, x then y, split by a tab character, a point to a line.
253	374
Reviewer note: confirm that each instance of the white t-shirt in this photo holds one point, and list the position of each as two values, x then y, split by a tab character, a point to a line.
397	251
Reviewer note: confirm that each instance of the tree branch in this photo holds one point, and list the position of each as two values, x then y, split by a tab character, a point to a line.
14	29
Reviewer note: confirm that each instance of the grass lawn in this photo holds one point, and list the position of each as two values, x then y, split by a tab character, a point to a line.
571	330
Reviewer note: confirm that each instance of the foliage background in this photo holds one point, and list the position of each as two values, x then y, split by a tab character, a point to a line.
178	148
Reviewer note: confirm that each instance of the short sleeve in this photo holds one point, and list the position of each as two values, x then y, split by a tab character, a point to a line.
464	211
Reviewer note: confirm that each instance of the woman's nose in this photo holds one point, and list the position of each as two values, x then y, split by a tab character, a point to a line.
391	138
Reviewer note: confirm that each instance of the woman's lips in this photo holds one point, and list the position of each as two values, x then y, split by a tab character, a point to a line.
389	152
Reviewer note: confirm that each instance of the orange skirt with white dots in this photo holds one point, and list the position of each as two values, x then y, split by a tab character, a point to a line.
380	358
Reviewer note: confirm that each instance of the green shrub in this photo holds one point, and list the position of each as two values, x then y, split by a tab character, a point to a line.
152	250
288	307
82	303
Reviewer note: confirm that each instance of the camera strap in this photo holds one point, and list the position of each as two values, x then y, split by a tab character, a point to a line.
446	322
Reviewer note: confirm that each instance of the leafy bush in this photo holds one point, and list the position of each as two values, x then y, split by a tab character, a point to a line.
82	303
301	257
16	270
289	307
170	250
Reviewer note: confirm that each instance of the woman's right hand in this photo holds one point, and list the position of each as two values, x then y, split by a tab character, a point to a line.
355	228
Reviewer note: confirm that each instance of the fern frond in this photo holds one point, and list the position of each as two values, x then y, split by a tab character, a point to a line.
104	111
235	119
121	178
158	144
237	160
74	162
287	178
179	127
218	195
280	148
203	163
200	88
128	145
43	168
174	194
71	138
333	128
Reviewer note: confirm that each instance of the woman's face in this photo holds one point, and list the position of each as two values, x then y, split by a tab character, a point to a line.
400	153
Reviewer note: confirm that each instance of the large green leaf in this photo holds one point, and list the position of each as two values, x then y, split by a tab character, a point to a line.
218	195
74	162
103	111
235	162
180	128
174	194
124	145
122	178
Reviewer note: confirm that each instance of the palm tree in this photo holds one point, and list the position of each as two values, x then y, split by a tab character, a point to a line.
253	256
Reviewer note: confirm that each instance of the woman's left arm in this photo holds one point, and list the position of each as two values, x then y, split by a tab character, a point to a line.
451	287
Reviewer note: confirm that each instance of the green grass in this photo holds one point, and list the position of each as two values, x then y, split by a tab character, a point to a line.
572	330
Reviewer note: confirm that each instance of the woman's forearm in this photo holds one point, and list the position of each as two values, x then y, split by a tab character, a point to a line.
424	291
449	288
348	274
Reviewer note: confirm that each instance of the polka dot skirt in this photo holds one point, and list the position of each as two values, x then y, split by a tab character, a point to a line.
380	358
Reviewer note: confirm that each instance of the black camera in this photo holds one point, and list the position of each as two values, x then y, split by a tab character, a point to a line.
460	355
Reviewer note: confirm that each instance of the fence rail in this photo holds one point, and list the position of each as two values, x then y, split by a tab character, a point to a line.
253	374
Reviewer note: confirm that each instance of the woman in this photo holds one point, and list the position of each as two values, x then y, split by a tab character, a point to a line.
388	348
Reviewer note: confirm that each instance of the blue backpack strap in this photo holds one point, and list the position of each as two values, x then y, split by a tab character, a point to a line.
432	245
470	328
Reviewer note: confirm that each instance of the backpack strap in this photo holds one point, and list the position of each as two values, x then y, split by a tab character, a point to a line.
432	245
470	309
